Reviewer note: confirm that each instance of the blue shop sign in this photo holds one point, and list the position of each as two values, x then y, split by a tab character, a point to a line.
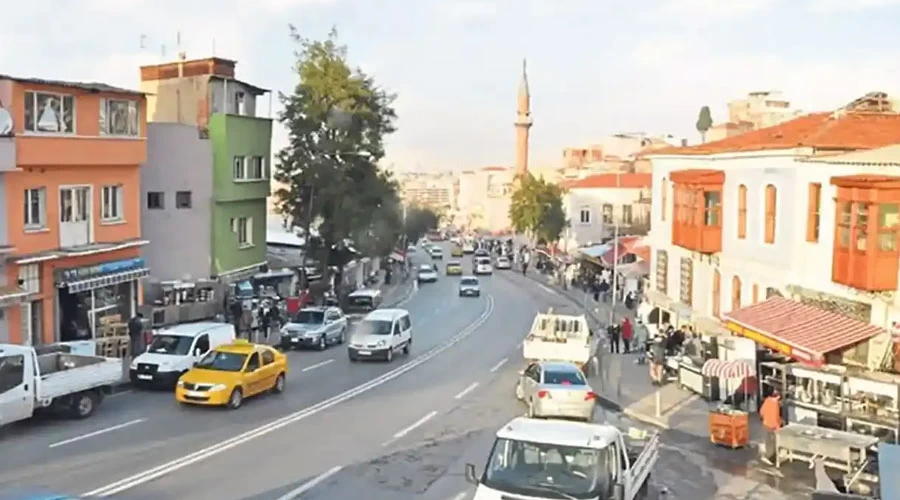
117	266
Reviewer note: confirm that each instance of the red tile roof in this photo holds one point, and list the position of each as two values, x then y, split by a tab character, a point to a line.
613	180
811	332
836	131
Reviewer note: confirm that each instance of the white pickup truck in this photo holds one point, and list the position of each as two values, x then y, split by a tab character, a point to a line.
559	337
72	383
536	459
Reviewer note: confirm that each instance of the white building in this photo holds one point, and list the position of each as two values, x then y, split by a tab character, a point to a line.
740	220
594	204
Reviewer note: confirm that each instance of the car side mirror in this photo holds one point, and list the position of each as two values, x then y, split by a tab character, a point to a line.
471	476
197	352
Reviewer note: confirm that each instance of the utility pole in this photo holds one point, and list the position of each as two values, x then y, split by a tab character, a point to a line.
309	192
615	270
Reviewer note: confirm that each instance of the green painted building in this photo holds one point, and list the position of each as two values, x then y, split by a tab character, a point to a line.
197	108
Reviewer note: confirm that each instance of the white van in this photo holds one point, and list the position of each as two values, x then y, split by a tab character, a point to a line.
381	333
174	351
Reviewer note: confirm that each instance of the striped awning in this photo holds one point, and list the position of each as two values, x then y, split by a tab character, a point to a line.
737	369
106	280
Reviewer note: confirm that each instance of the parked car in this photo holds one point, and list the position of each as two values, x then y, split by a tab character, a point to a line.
173	351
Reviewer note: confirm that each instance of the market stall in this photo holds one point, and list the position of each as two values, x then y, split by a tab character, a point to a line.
728	424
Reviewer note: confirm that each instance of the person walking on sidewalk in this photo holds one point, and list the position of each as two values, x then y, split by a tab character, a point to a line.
612	332
640	341
627	334
658	360
770	413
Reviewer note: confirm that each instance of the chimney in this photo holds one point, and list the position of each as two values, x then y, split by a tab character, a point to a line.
684	143
182	57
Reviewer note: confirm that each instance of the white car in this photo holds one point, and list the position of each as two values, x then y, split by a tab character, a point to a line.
468	247
503	262
469	287
380	334
427	273
174	351
436	253
483	266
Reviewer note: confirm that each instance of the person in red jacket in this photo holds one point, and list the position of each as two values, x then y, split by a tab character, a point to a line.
627	334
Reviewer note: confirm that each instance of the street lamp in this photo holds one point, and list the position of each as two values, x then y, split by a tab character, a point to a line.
615	281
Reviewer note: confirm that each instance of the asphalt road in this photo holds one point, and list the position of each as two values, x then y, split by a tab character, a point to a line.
341	430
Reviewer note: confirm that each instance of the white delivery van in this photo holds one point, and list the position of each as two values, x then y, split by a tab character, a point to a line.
174	351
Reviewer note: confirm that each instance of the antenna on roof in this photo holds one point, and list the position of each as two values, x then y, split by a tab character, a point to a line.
178	39
143	41
162	49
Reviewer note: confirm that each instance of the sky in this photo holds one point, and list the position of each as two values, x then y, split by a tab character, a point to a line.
596	67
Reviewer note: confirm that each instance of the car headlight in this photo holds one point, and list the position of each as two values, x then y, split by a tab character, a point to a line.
180	383
381	343
133	365
218	387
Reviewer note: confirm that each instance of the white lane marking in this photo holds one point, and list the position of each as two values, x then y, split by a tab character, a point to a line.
318	365
199	455
499	365
312	483
460	495
465	391
417	423
549	290
97	433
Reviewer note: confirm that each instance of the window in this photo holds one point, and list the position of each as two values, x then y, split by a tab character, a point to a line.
35	208
627	216
585	215
663	197
607	213
735	293
238	103
119	117
712	208
182	199
49	113
244	231
253	362
156	200
742	212
12	372
111	205
861	226
888	225
771	194
813	218
257	168
844	223
202	344
30	278
240	167
268	357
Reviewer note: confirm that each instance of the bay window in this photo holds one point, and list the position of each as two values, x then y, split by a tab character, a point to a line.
697	221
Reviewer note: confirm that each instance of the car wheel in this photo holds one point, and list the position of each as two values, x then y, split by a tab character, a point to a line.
461	294
278	388
531	413
323	343
478	294
236	399
343	336
519	394
390	355
352	358
406	347
84	404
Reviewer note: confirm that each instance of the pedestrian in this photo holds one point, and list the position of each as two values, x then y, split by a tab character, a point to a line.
136	334
629	300
604	290
640	341
770	414
612	332
265	319
627	334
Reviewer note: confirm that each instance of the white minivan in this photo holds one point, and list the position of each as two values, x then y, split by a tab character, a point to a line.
380	334
173	351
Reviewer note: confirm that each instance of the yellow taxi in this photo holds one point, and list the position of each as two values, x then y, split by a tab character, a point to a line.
456	251
454	268
232	372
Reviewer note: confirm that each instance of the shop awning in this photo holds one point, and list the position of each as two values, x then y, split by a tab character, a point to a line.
798	330
107	280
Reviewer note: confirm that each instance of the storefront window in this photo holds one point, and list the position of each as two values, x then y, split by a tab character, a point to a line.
82	312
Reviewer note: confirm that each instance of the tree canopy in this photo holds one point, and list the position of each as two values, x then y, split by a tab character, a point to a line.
337	119
536	209
420	220
704	122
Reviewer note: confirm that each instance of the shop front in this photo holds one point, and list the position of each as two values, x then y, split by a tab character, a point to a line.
91	295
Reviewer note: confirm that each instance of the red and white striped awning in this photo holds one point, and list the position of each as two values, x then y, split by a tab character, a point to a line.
737	369
398	255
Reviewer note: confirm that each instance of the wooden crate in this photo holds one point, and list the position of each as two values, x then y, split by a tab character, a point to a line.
110	319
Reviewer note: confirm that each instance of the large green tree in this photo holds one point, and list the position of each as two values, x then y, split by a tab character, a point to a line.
536	209
336	118
420	220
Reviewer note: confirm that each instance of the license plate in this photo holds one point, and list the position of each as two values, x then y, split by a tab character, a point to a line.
365	353
295	340
145	377
195	394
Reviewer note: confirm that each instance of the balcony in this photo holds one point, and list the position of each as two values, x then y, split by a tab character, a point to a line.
49	150
697	220
867	222
7	153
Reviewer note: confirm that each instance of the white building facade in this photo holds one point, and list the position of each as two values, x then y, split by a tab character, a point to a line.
594	205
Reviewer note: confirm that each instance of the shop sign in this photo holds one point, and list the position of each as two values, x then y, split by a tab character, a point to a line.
117	266
759	338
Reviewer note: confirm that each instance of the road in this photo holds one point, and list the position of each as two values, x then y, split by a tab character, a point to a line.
383	431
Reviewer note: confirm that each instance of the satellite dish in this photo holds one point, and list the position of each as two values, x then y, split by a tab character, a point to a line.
6	123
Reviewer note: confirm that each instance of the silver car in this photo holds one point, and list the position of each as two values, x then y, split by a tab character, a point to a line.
316	327
469	287
427	273
556	390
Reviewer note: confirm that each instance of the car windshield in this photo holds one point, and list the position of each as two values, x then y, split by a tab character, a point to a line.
310	317
484	261
469	281
425	269
223	361
502	259
562	377
548	470
374	327
360	300
177	345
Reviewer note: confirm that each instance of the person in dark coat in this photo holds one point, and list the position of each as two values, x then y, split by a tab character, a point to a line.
136	334
613	332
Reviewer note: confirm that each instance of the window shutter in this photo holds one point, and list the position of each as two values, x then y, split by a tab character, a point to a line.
102	115
250	230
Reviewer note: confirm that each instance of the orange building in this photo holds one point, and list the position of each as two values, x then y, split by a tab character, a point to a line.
72	237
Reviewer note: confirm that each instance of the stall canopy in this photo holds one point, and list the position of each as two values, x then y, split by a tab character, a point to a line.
801	331
626	246
737	369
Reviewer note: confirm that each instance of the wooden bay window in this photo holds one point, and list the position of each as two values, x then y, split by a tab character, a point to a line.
867	220
697	218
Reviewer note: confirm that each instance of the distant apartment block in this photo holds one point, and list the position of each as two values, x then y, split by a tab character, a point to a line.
758	110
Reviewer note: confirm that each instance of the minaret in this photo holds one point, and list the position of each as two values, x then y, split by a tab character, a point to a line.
523	123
